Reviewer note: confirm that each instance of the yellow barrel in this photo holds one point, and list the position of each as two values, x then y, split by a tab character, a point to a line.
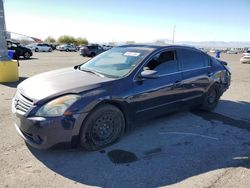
8	71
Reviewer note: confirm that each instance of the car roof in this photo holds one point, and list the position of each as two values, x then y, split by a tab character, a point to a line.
12	41
156	47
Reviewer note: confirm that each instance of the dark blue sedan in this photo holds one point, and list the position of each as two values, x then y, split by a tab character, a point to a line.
93	104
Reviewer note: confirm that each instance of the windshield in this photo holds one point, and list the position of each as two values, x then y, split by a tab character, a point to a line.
117	62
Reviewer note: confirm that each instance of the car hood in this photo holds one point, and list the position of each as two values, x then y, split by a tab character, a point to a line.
59	82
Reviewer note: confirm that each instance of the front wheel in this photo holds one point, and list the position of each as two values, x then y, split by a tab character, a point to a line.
36	50
26	55
211	98
104	126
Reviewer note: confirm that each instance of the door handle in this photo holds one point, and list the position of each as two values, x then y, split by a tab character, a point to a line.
177	84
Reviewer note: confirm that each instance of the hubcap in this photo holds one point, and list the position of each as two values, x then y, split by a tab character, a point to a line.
103	128
26	55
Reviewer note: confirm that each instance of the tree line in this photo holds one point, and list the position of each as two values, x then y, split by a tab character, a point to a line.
66	39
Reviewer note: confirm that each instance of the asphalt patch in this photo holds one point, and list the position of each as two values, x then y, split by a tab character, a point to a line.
122	156
209	116
182	143
152	151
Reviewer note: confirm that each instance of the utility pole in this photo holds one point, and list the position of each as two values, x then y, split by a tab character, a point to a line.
3	44
173	34
8	68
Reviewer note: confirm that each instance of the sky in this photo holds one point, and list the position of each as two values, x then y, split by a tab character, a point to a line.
131	20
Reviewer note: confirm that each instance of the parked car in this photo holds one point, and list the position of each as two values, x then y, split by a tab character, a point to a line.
232	52
212	51
67	48
96	102
40	47
106	47
52	46
245	59
91	50
19	50
247	53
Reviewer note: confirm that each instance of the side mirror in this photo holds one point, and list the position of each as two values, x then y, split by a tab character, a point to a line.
150	74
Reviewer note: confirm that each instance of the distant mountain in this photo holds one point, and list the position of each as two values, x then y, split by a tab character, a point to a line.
202	44
208	44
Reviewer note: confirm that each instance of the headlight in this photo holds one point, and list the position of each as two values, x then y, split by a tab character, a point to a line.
57	107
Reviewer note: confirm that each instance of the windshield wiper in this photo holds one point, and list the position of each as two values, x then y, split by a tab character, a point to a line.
91	71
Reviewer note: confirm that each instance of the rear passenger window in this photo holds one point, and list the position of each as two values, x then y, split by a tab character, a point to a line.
191	59
164	63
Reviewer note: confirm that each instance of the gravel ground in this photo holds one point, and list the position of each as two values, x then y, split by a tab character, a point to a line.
184	149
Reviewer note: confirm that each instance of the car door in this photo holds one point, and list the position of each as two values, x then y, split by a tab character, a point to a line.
40	47
161	94
196	74
45	47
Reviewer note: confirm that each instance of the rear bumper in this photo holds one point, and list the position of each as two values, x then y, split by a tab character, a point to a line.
225	83
224	87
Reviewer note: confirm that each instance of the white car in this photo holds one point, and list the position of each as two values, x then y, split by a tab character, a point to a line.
106	47
247	53
232	52
67	48
40	47
245	59
212	51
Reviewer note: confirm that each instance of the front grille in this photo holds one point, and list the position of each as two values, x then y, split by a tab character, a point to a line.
22	103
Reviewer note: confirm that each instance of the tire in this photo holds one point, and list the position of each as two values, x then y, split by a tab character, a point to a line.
36	50
92	54
104	126
67	50
50	50
26	55
212	98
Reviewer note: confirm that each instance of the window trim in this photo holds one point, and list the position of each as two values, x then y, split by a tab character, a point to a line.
137	74
196	69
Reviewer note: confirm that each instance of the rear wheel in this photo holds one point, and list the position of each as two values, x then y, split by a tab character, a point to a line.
36	50
92	54
50	50
212	98
104	126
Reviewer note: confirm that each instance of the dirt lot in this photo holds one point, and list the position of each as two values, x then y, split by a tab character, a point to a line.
184	149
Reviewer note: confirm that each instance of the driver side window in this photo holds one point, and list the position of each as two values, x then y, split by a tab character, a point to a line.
163	63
